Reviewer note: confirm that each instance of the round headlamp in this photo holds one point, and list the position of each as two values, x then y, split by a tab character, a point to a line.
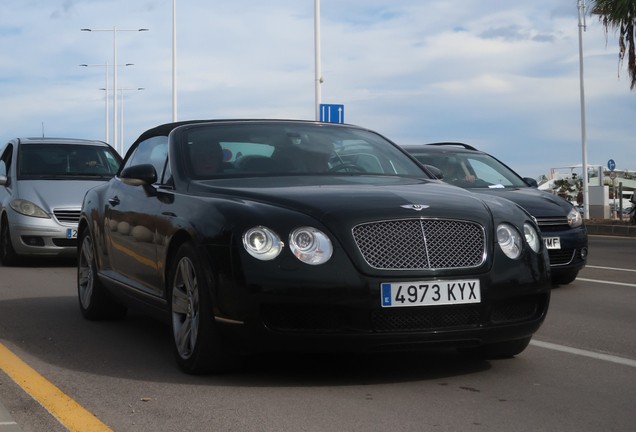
532	238
509	240
310	245
262	243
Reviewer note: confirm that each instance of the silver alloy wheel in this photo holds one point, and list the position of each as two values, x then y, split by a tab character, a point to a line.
185	308
86	278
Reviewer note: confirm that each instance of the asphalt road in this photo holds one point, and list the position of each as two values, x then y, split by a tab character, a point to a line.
579	373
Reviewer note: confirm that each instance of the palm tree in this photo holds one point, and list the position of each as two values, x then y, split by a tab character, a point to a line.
620	15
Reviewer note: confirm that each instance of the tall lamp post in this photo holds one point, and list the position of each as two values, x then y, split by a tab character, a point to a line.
121	95
121	112
106	68
582	26
318	79
174	60
114	30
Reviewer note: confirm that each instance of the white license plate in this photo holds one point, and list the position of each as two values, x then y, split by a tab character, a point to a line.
400	294
71	233
552	242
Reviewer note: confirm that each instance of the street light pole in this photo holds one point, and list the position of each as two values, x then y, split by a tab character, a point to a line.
114	30
319	79
174	60
582	26
121	95
106	69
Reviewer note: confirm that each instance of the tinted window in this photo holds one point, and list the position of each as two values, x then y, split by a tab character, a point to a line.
152	151
470	170
213	151
36	161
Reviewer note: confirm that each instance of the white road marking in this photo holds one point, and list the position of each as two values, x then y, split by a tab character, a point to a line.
607	282
591	354
610	268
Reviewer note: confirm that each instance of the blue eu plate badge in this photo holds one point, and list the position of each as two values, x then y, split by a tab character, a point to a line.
386	294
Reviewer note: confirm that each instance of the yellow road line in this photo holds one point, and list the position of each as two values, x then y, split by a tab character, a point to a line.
72	415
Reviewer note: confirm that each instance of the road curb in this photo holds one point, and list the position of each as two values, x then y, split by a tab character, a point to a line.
7	424
612	230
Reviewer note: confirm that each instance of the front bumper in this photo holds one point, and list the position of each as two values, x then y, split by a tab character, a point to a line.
572	256
336	308
42	237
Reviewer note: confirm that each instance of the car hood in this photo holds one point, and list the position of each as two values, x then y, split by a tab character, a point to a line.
355	199
538	203
51	194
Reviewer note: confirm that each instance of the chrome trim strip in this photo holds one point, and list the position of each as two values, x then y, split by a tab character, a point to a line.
227	320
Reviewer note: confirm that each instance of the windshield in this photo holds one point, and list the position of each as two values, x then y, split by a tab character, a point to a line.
471	170
218	151
64	161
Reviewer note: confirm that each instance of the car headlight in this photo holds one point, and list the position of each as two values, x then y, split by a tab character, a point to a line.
27	208
262	243
532	238
574	218
310	245
509	240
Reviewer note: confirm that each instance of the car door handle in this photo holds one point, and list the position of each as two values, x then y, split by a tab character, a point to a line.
114	201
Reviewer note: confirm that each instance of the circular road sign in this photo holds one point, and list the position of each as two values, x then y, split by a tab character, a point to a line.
613	175
611	164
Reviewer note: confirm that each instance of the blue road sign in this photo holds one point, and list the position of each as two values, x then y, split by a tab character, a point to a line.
332	113
611	164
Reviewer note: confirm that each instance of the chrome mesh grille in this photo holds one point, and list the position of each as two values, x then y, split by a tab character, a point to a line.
412	244
70	216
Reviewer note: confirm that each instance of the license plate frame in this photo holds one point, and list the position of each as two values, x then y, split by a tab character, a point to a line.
430	293
552	243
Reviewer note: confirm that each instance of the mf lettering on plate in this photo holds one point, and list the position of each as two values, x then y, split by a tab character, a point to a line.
552	242
430	293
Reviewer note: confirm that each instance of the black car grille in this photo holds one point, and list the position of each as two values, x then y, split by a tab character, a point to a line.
404	320
553	221
515	310
560	256
330	319
69	216
410	244
303	319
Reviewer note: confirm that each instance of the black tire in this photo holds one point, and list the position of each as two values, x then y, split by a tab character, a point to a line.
198	348
499	350
564	278
94	300
8	257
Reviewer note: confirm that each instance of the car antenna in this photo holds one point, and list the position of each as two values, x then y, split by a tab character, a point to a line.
42	129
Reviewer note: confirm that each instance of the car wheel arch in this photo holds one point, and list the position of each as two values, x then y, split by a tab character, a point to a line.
176	241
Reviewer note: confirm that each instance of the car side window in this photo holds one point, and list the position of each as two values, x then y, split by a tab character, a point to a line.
152	151
5	163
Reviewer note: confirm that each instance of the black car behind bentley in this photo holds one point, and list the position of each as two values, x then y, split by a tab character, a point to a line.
561	224
258	235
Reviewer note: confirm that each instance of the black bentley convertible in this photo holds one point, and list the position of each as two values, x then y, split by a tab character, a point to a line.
265	235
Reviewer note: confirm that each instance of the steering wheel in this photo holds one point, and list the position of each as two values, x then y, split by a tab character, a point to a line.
346	166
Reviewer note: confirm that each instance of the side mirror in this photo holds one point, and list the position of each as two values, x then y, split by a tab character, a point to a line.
139	175
435	171
530	181
3	180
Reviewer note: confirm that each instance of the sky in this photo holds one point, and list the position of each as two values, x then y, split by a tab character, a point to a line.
499	75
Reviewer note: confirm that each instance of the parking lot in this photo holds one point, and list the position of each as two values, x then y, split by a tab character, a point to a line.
578	374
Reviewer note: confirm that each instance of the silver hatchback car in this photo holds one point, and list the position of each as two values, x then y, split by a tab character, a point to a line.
42	185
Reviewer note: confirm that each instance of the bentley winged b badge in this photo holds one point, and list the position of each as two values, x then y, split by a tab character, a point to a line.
416	207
